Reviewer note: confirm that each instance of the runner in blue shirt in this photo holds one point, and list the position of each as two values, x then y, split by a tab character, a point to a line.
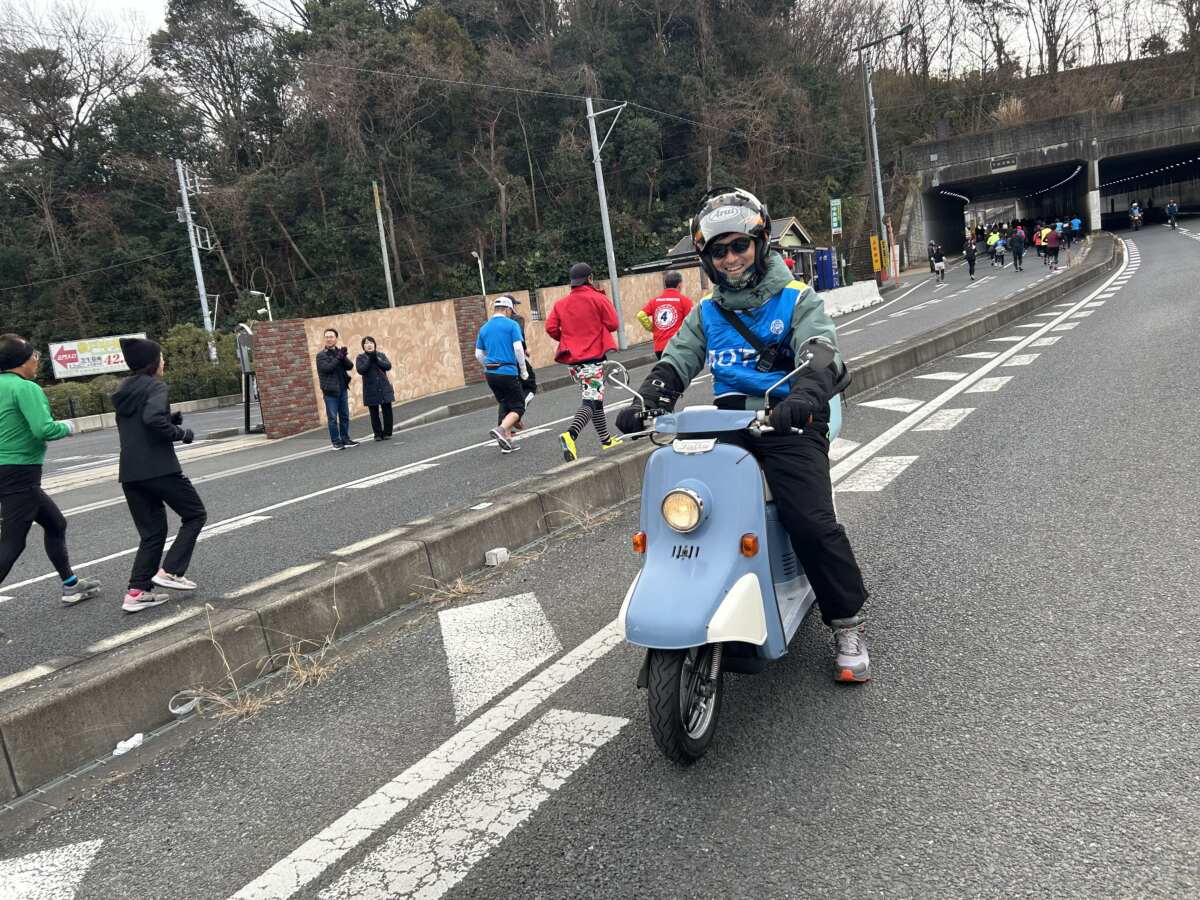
500	349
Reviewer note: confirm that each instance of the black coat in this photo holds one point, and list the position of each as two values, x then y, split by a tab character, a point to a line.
333	371
373	368
145	429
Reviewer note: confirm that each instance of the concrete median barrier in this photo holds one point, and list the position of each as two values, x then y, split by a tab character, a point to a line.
73	716
82	711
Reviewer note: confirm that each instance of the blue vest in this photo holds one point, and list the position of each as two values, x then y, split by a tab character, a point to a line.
731	359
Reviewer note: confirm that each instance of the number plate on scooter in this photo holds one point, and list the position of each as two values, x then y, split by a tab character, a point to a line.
693	445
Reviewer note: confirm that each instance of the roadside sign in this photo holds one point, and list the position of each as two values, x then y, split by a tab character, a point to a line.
876	263
835	217
92	356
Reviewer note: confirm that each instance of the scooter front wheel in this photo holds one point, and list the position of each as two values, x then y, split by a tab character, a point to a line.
684	698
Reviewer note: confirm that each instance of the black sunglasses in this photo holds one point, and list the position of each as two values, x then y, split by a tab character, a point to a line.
737	245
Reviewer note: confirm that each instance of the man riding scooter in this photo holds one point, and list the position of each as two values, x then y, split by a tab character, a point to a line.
749	332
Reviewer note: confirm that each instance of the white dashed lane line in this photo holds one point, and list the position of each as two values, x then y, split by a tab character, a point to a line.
894	404
945	419
876	474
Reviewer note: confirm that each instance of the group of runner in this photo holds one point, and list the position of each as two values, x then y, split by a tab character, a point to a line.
1048	237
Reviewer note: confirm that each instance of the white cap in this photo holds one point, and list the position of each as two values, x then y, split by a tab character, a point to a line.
505	302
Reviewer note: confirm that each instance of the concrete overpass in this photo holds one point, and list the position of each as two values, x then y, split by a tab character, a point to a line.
1091	163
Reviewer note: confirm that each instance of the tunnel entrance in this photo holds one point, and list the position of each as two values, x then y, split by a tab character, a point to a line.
1040	192
1152	178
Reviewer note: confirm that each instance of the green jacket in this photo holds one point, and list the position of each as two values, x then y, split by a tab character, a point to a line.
25	422
687	352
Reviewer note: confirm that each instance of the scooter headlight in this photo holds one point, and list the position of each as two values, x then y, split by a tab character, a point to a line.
683	510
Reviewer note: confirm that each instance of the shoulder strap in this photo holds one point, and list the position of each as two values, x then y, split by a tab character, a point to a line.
736	321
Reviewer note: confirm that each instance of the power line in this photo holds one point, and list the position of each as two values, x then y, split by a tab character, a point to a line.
17	287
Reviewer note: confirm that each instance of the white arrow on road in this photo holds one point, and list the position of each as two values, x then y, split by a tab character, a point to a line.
491	645
47	874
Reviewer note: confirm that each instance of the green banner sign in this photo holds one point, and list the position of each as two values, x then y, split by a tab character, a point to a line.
835	217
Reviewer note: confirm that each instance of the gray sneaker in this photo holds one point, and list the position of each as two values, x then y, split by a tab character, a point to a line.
852	663
82	589
143	600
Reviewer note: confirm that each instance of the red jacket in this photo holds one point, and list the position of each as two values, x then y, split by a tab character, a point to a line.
666	313
582	323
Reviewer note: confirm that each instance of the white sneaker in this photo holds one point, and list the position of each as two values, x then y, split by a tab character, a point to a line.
143	600
852	663
175	582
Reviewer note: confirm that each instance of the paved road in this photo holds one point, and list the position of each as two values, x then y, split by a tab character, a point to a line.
274	506
1030	730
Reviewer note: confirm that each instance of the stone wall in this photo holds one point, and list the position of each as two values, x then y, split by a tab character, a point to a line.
285	385
420	340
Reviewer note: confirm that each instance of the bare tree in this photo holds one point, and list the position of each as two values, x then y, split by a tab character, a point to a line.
57	70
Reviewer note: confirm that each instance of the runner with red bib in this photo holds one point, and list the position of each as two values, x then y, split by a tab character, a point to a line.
665	313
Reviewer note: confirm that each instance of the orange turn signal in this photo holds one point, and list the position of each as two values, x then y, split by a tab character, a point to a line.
749	545
639	542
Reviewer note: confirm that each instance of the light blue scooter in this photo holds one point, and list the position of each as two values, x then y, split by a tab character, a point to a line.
720	589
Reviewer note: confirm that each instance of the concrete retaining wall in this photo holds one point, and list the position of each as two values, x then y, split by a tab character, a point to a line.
851	298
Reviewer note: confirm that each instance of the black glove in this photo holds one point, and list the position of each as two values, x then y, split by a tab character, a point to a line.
176	418
188	436
342	351
812	388
661	389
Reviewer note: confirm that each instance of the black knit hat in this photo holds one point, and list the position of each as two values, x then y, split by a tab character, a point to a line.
140	353
14	351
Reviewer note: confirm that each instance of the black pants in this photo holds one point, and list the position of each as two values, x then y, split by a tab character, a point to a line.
797	470
1018	259
510	398
19	512
147	502
381	429
970	265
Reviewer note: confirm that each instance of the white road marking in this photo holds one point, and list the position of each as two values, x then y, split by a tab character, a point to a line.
1044	315
945	419
876	474
1082	314
872	447
1006	340
1022	359
133	634
840	447
1095	305
227	526
439	847
943	376
1046	341
851	331
484	505
16	679
894	404
392	476
1065	326
1031	325
983	354
1063	305
989	385
365	544
889	303
312	858
48	874
491	645
531	433
263	583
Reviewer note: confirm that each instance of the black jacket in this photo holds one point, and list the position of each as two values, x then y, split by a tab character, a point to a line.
333	371
373	369
144	425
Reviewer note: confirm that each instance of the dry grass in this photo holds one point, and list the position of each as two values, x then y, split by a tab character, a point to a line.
444	592
1010	111
576	519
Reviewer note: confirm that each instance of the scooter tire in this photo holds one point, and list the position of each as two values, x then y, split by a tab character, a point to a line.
667	673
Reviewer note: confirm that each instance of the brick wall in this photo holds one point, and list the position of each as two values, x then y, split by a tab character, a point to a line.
470	313
284	373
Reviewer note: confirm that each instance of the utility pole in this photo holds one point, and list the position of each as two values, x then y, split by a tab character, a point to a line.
597	146
879	223
387	270
197	235
708	174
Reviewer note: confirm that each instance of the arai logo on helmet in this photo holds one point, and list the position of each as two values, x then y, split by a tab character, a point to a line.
777	326
724	212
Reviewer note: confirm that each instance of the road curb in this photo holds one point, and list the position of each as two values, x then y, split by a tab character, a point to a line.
75	715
